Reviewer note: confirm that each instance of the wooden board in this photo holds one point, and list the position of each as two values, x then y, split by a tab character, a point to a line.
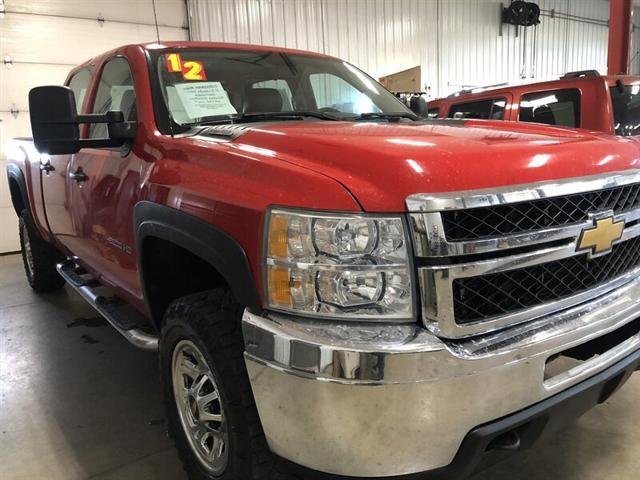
405	81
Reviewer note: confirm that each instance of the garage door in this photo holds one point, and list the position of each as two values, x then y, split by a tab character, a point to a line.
39	43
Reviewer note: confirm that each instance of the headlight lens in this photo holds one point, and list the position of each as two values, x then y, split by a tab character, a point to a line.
334	265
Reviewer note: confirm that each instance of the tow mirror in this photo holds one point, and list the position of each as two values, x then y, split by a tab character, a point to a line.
55	123
418	105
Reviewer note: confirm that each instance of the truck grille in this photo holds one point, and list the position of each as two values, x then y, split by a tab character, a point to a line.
492	259
487	296
521	217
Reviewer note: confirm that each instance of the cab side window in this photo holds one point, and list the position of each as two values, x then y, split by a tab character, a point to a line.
491	109
115	92
553	107
433	112
79	83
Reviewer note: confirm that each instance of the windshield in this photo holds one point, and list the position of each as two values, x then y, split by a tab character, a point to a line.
626	109
205	85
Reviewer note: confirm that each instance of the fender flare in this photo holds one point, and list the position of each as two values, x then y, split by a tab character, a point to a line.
14	173
202	239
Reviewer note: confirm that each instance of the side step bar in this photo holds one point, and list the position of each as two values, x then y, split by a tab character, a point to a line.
106	306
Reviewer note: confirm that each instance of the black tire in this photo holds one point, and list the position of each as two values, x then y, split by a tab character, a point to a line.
39	257
212	322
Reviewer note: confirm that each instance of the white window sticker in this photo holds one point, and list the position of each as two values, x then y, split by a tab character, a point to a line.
204	99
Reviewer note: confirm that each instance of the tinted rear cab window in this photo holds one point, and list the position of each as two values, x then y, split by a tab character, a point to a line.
492	109
626	109
553	107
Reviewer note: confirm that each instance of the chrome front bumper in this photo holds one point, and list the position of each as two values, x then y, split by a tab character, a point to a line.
368	400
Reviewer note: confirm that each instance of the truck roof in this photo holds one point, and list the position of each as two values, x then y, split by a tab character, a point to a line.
212	45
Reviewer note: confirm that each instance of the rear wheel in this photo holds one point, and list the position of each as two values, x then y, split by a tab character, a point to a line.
211	412
39	257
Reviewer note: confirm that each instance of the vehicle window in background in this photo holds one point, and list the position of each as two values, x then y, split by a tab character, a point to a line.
200	85
553	107
497	109
79	83
492	109
115	92
433	112
626	109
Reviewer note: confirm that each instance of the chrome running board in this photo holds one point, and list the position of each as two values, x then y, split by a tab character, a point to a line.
111	308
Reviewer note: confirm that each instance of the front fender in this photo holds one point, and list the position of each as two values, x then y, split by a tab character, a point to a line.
202	239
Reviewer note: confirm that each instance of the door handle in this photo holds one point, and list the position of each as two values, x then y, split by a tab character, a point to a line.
79	176
47	167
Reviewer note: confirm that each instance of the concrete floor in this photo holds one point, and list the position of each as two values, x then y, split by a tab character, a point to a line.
78	402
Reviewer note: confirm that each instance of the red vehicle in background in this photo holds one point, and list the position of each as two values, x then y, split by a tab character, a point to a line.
585	99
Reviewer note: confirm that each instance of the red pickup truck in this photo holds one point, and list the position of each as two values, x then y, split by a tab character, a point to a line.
335	287
609	104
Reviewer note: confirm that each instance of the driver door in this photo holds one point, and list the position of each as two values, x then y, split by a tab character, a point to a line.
57	191
107	186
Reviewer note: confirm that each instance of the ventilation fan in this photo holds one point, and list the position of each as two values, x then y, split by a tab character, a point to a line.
524	14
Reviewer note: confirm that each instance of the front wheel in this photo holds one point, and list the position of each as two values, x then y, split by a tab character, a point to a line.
210	408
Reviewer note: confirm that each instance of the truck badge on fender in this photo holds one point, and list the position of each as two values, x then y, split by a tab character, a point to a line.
600	238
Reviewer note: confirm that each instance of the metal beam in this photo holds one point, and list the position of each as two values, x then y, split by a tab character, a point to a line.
620	14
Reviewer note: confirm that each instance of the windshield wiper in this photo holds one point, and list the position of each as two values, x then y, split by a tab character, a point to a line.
385	116
256	117
296	115
210	120
243	117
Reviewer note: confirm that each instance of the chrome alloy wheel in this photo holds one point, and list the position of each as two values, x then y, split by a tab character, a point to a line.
200	407
28	252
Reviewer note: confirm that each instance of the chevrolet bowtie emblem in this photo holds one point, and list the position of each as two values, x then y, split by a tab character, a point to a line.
600	238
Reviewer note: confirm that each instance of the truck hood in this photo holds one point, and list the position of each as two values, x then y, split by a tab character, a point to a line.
383	163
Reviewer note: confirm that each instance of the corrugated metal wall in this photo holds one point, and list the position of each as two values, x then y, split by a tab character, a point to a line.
456	42
635	43
41	40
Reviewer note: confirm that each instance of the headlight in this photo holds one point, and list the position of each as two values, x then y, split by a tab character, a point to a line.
342	266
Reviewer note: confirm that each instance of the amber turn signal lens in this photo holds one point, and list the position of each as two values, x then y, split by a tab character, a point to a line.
279	286
278	236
